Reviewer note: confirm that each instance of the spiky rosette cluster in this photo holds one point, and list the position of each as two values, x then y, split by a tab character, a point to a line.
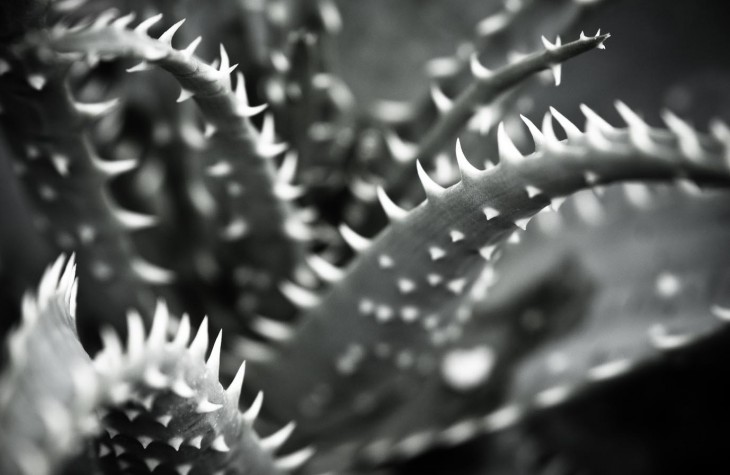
421	324
48	392
159	403
165	407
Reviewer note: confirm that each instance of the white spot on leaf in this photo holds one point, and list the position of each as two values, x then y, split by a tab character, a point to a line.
467	369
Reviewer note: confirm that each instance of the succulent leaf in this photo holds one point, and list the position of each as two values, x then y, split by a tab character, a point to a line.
492	328
238	158
670	296
164	407
68	184
483	91
48	389
403	299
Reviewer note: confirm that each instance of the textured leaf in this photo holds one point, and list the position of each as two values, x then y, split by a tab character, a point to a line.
253	208
411	38
48	389
68	185
668	293
402	300
164	407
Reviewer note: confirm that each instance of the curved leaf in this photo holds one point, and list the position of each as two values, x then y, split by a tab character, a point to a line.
164	407
402	300
48	391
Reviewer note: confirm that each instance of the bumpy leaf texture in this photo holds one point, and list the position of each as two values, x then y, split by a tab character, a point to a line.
507	323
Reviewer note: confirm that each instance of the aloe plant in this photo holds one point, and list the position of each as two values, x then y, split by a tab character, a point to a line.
404	263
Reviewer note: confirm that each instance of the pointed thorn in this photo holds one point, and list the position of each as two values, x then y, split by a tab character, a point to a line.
268	129
155	378
214	360
532	191
663	340
166	37
182	389
557	70
175	443
299	296
595	120
205	406
400	150
190	50
324	269
330	17
456	235
151	273
184	469
354	240
273	330
243	107
253	411
436	253
557	202
487	251
392	210
723	313
478	70
111	348
143	66
632	119
97	109
184	95
269	150
225	68
490	213
298	230
688	139
158	332
200	343
233	392
134	221
219	444
548	45
508	152
639	131
571	130
123	22
440	100
251	111
433	190
114	168
468	171
37	81
522	223
274	441
288	192
295	460
104	19
551	141
537	136
183	332
145	26
288	169
135	335
152	463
